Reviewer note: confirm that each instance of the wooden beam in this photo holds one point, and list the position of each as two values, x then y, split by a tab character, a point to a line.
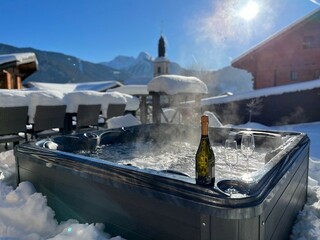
18	82
9	80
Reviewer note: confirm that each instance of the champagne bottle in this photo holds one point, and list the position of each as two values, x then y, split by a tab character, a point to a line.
205	159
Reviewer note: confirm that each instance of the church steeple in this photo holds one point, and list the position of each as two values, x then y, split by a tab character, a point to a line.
161	47
161	63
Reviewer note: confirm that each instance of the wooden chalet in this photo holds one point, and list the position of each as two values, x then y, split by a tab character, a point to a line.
290	56
14	68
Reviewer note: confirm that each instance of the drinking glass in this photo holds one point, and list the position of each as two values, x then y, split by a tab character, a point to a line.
247	146
231	153
231	159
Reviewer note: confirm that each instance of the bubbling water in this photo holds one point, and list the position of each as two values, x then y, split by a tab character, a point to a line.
175	156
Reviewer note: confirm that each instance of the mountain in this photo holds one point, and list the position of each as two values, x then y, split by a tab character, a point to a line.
60	68
140	69
120	62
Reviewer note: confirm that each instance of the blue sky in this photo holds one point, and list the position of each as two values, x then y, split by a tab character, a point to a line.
199	33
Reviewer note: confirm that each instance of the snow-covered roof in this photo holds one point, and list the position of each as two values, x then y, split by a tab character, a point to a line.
284	30
135	90
70	87
176	84
18	58
278	90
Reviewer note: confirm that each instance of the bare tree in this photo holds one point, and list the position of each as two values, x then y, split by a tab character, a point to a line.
254	107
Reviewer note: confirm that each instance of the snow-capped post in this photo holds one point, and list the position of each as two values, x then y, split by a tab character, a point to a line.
174	85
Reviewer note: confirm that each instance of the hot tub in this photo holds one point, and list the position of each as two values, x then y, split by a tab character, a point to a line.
163	202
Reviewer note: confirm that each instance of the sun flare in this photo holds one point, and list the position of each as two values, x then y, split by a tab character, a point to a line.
249	11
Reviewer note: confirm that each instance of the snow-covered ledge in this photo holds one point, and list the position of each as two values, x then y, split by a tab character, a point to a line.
176	84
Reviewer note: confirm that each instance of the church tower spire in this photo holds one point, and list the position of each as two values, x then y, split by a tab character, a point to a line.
161	47
161	63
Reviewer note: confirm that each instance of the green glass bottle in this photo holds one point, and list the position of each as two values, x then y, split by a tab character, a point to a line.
205	159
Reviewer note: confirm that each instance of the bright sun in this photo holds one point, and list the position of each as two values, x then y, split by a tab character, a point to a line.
249	11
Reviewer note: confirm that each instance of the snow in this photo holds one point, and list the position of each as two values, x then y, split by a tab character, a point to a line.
175	84
74	99
45	98
15	98
24	214
133	103
19	58
69	87
122	121
10	98
130	92
278	90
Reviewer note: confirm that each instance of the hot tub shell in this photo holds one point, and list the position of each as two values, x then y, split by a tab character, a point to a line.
140	204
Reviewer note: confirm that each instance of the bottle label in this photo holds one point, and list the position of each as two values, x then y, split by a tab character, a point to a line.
205	165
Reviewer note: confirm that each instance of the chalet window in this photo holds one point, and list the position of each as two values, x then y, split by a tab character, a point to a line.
159	69
311	41
294	75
